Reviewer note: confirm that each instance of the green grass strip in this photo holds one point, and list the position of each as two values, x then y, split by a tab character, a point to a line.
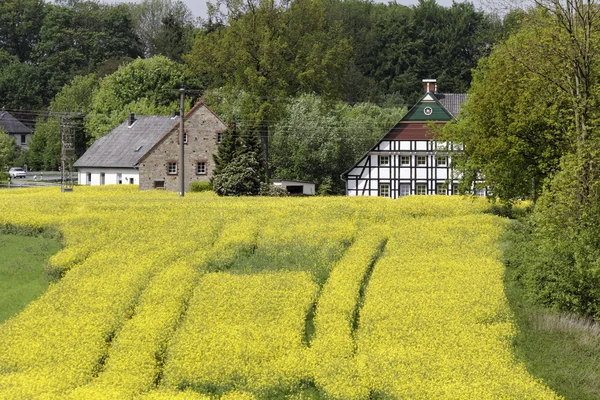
22	275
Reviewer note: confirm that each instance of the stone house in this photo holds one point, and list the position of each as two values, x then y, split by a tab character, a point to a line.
144	150
159	167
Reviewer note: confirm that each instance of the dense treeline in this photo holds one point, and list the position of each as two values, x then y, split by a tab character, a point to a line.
531	127
45	45
105	60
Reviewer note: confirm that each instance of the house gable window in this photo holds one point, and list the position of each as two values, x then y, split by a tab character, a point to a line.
201	168
384	189
23	139
185	138
441	160
421	188
172	168
405	160
384	160
421	160
219	137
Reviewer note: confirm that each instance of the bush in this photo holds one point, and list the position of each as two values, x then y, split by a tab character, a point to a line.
238	178
200	187
272	190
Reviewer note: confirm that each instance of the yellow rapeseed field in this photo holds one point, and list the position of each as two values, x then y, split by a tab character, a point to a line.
162	297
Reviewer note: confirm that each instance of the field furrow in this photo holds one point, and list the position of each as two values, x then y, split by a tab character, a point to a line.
243	331
259	298
337	314
436	323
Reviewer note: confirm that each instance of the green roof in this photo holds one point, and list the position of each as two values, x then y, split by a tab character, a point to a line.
428	110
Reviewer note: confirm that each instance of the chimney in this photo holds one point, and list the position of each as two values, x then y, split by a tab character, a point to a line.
131	119
430	85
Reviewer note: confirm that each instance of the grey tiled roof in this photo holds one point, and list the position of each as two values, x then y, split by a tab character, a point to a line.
451	101
11	124
124	146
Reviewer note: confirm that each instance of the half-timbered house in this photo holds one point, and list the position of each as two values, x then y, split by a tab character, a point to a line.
407	161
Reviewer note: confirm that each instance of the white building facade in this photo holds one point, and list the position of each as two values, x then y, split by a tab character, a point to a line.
407	161
108	176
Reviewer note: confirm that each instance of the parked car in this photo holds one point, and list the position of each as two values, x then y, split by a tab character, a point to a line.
17	173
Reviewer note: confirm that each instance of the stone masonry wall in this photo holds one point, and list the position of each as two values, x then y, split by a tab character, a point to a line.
202	127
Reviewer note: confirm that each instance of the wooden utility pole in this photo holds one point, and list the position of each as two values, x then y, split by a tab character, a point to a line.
181	144
181	164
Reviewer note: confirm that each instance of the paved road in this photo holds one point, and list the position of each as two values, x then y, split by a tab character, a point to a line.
37	178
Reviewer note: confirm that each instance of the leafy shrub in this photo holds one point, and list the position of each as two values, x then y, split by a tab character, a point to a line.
272	190
200	187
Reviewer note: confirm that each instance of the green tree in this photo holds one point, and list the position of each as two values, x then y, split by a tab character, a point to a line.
512	125
165	27
76	39
317	141
20	24
271	51
396	46
45	146
142	86
238	164
21	84
533	117
7	153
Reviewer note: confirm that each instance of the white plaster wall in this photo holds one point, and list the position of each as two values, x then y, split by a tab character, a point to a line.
111	176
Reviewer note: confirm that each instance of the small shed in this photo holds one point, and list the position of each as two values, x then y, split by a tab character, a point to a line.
296	187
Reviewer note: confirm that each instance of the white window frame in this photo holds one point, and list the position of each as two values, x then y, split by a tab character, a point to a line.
441	189
404	158
421	186
444	160
424	163
172	168
201	171
219	137
384	189
384	160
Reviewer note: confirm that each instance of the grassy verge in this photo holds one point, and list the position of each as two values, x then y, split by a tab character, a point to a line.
22	275
561	349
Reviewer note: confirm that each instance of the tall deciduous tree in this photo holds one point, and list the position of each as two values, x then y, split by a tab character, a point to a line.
76	39
317	142
165	27
20	25
142	87
513	125
273	50
533	112
45	147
